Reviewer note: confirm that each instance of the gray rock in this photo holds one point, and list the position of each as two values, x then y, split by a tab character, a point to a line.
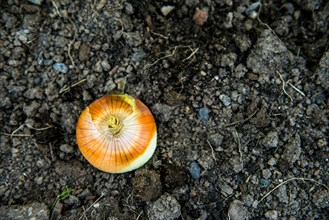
60	67
32	109
72	201
216	140
271	215
133	39
98	67
271	139
195	170
36	2
321	199
226	190
165	111
66	148
323	71
204	114
38	180
292	150
31	211
84	51
106	65
281	193
236	164
226	100
164	208
269	54
238	211
266	173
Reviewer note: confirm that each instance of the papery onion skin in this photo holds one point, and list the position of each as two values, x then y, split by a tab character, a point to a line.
116	133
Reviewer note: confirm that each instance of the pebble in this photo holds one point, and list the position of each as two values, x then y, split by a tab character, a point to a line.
165	10
264	182
226	100
72	201
321	199
106	65
66	148
84	51
98	67
292	150
39	180
266	173
60	67
272	161
271	139
30	211
138	55
195	170
85	193
204	114
237	211
36	2
271	215
164	208
236	164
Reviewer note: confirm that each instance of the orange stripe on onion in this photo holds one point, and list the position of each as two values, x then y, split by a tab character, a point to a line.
116	133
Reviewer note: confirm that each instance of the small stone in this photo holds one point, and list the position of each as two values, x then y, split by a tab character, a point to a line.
84	51
66	148
164	111
253	9
47	62
57	210
216	140
226	190
138	55
203	73
30	211
106	66
237	211
281	193
39	180
72	201
271	140
204	114
36	2
264	182
226	100
164	208
129	9
165	10
60	67
266	173
236	164
98	67
195	170
321	199
85	193
272	161
271	215
292	150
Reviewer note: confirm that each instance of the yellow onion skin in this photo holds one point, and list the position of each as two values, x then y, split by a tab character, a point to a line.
116	133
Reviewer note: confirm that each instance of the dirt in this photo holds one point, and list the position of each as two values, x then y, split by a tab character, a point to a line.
239	92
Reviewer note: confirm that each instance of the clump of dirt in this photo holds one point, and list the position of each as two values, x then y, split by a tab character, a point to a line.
239	94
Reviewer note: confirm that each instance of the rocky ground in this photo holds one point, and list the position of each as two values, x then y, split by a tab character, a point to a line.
239	91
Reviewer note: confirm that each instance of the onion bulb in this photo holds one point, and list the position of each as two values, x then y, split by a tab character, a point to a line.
116	133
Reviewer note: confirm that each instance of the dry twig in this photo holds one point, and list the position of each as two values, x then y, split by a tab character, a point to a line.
284	86
289	180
